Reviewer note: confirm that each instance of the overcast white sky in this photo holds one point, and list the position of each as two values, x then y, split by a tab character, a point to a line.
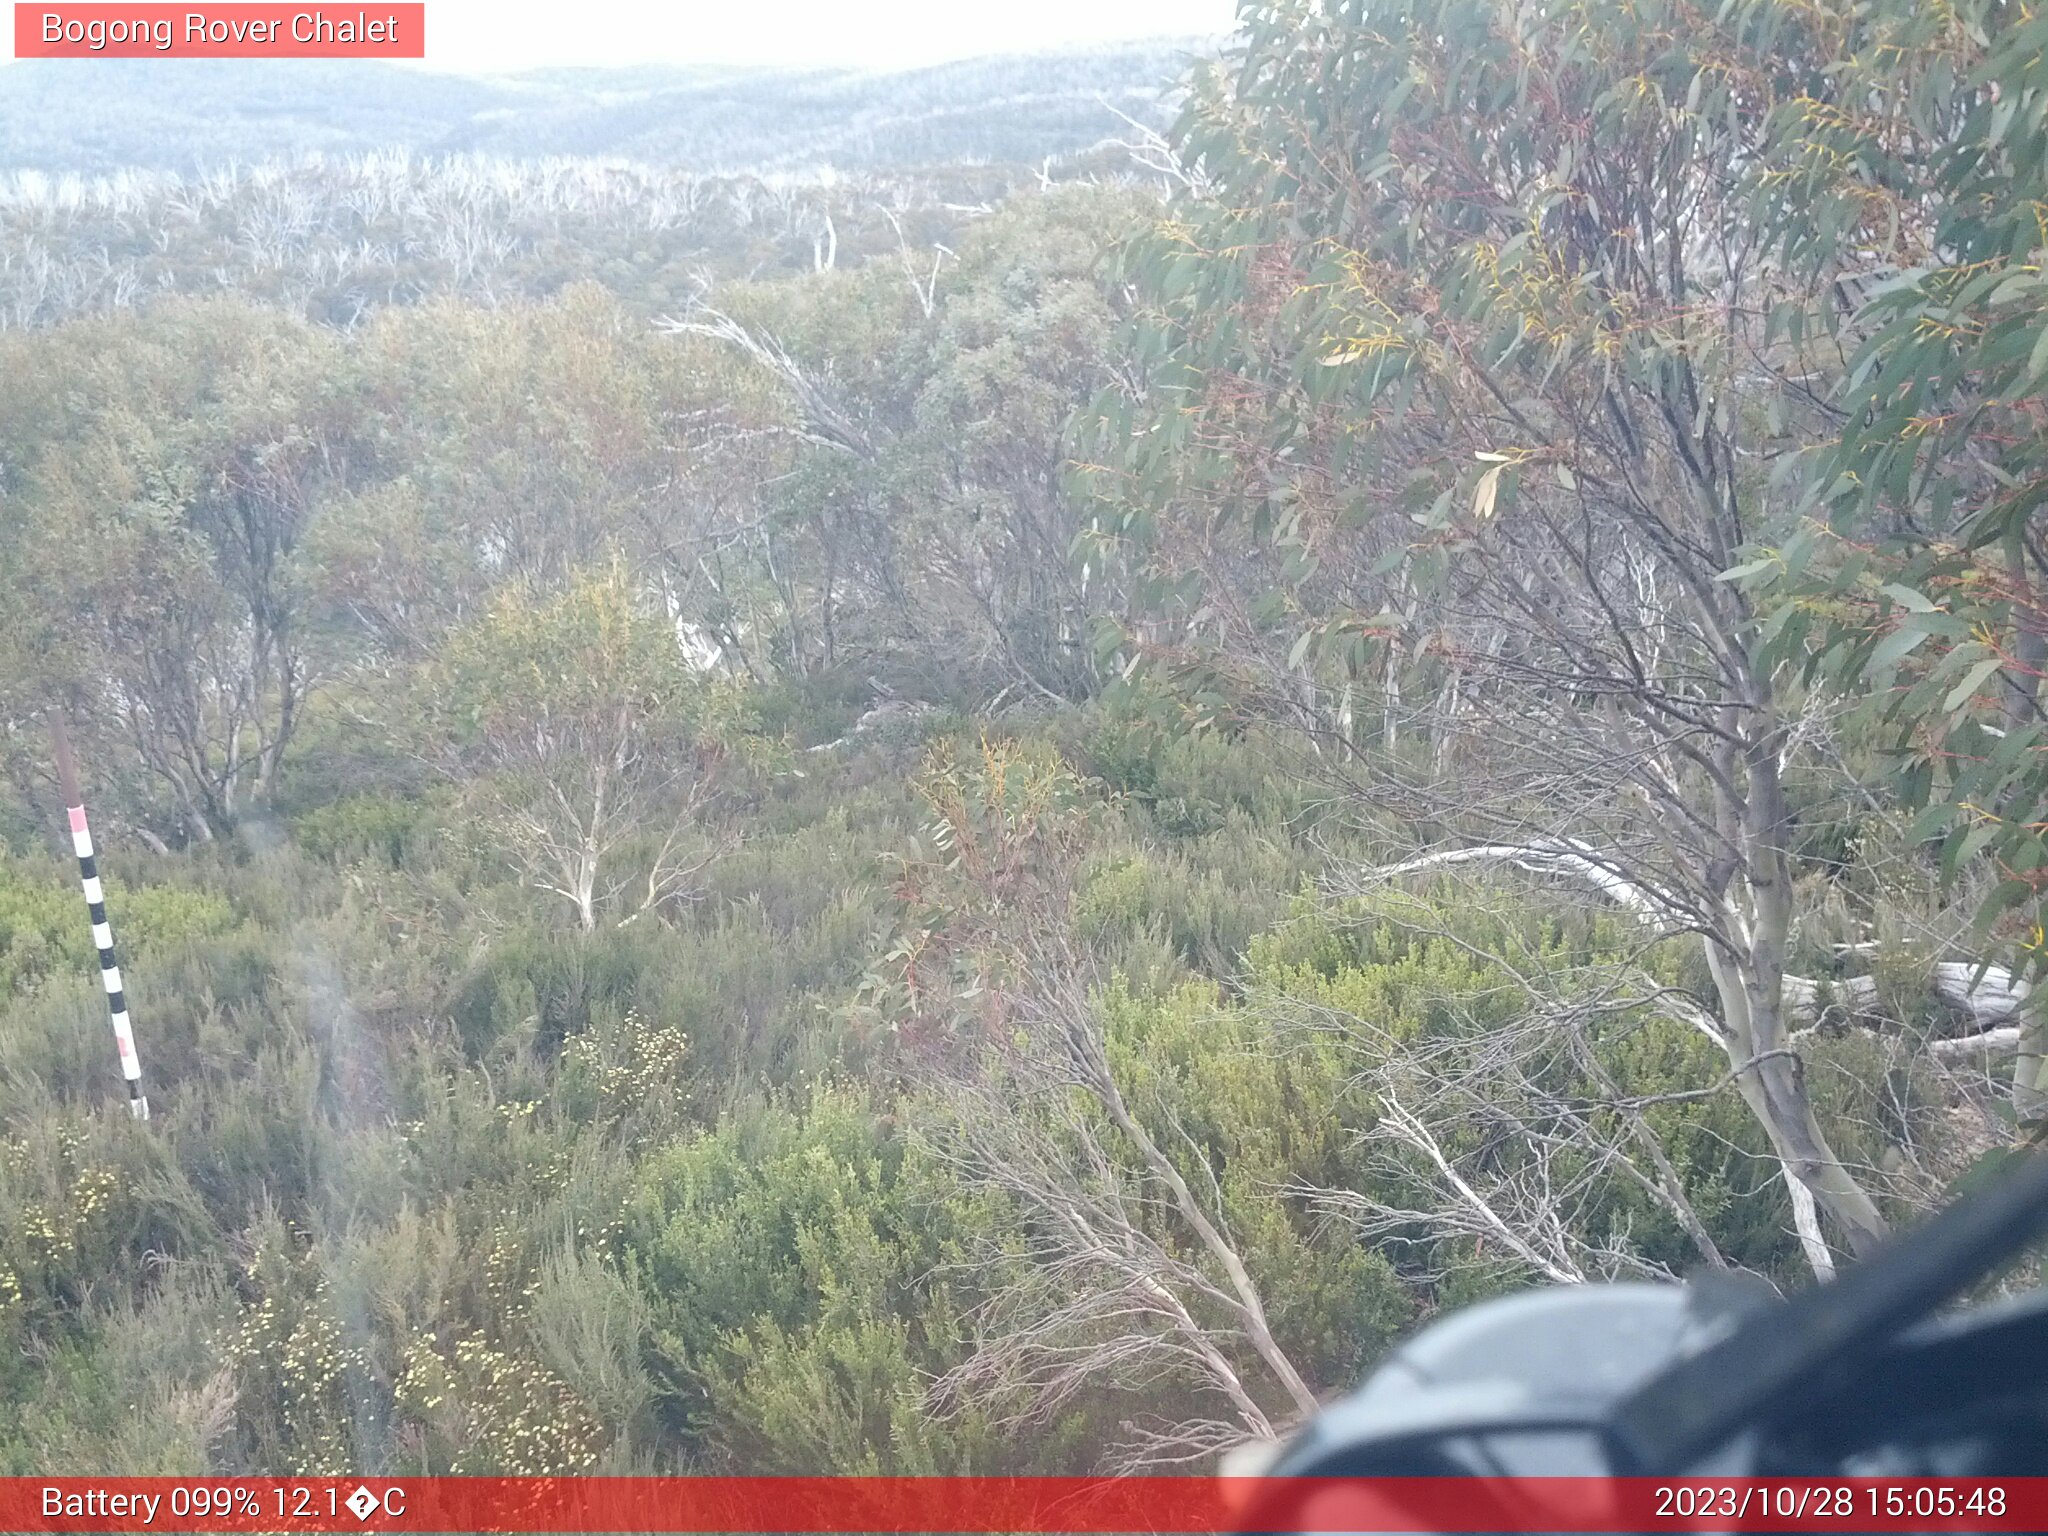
482	35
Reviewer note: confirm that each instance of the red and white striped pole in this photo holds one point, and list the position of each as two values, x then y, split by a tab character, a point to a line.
96	909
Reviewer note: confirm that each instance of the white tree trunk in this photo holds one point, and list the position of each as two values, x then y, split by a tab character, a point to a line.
1806	1221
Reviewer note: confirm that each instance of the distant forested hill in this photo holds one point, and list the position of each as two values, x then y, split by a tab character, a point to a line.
91	116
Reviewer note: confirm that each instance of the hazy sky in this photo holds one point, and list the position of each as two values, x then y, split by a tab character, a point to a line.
524	34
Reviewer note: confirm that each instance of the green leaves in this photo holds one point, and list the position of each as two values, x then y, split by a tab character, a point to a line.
1906	597
1965	690
2037	361
1896	646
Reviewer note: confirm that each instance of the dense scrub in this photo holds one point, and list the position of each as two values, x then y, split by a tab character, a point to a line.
435	1181
967	854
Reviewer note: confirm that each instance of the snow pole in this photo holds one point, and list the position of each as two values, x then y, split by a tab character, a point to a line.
96	909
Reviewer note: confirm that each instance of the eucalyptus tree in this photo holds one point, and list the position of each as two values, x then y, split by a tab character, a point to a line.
1920	582
161	473
1484	362
919	511
581	735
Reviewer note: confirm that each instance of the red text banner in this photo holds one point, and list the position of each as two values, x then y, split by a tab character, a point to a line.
1066	1506
235	31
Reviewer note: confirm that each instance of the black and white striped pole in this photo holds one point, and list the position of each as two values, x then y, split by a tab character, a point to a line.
96	908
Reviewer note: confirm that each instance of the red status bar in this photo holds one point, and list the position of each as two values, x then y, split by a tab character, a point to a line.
1067	1506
